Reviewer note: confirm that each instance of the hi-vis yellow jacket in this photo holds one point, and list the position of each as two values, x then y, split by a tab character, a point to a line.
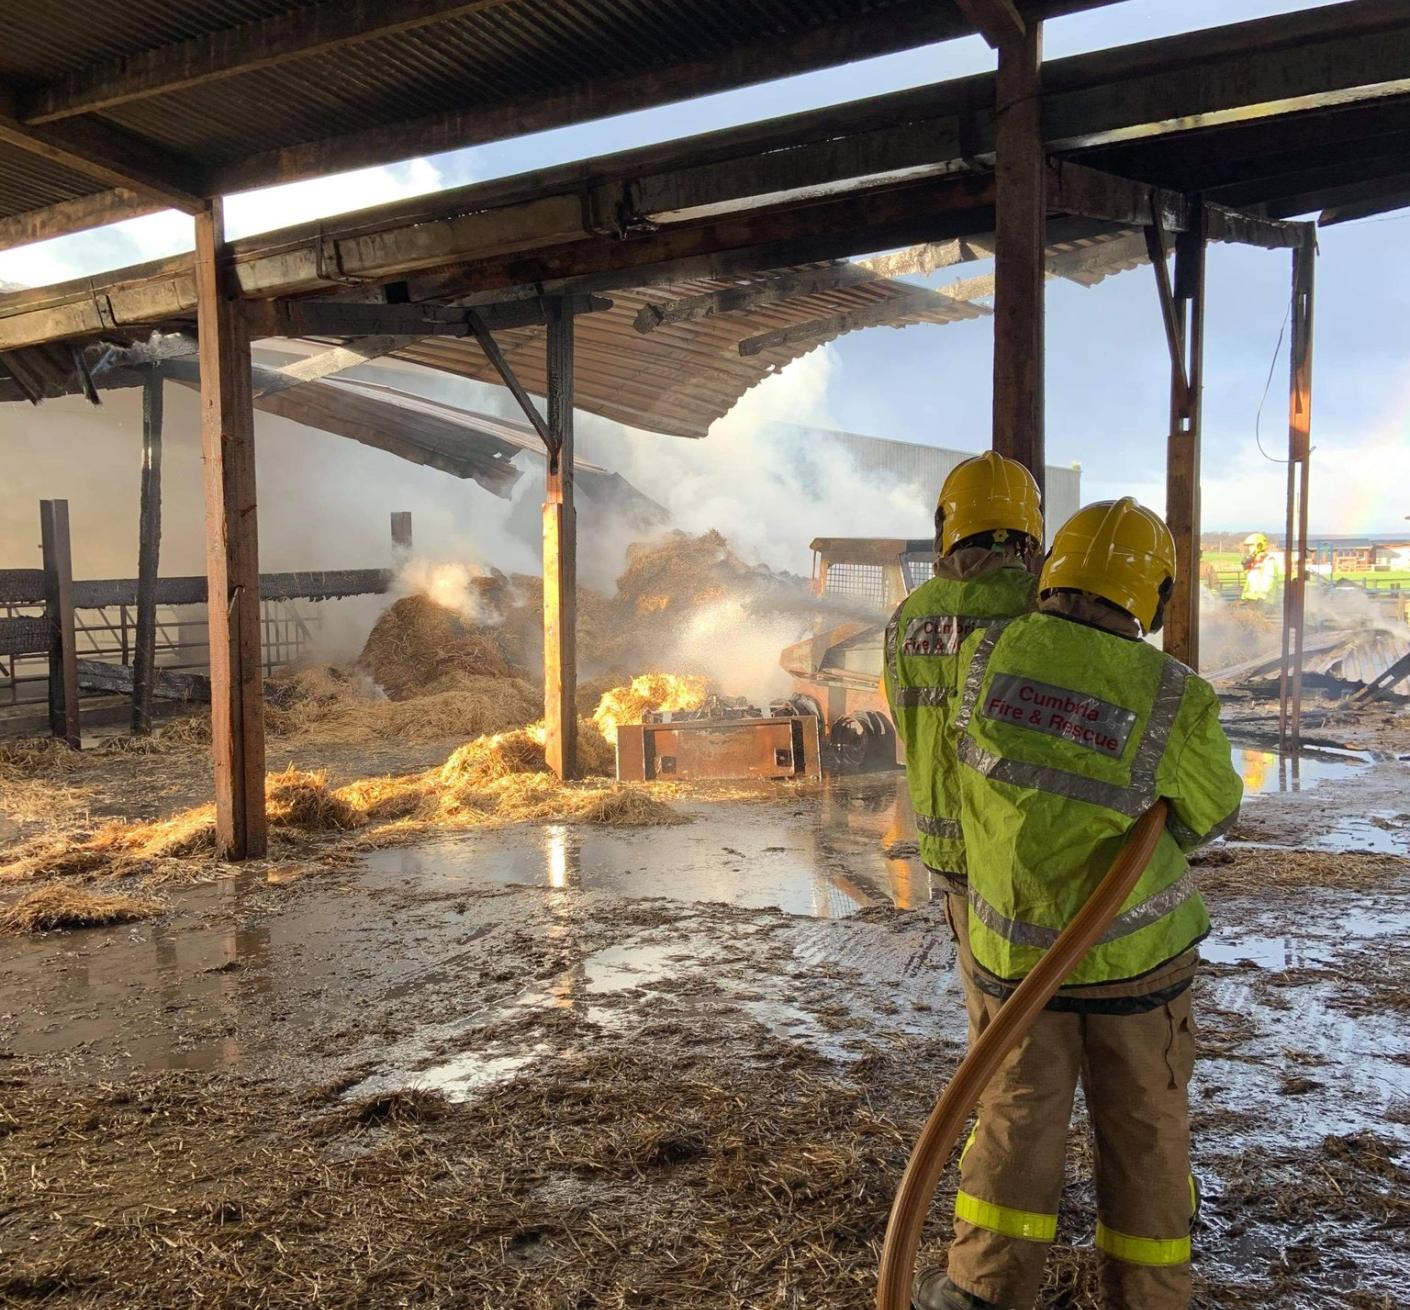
1065	735
1263	579
923	642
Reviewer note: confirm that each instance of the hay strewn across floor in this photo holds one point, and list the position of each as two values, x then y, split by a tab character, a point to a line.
498	779
59	906
758	1176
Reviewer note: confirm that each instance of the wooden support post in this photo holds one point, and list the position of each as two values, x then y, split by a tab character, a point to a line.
149	539
58	609
232	549
1182	451
401	537
560	555
1019	224
1295	560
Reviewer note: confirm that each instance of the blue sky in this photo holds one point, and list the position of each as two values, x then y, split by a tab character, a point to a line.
1107	372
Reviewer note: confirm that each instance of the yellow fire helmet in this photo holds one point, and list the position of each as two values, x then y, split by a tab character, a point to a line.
985	494
1115	549
1256	542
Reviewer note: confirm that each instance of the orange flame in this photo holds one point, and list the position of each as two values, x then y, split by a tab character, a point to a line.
650	691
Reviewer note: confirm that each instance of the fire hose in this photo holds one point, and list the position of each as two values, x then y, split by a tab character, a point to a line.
937	1139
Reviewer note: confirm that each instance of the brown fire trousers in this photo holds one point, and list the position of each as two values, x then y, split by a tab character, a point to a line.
1135	1070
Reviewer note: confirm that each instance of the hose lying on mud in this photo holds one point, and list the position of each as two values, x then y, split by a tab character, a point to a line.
937	1139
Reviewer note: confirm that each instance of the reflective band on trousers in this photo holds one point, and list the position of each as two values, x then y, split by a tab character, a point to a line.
932	826
1154	1251
1024	1224
1023	933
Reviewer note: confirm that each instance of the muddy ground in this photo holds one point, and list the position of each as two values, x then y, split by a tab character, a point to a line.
559	1066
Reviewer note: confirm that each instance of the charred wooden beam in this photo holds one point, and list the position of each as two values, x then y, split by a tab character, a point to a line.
1304	267
1182	452
348	318
1350	211
997	21
17	587
511	381
58	611
77	215
401	536
1334	187
165	684
110	156
1020	177
26	635
776	288
21	586
232	549
1158	251
560	556
149	538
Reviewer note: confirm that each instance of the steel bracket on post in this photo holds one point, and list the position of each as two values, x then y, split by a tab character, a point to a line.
1159	250
516	389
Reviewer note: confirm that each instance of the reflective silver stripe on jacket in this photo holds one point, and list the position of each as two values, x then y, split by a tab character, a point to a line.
1057	782
933	826
1022	933
1189	839
912	696
1132	799
892	646
1168	696
974	675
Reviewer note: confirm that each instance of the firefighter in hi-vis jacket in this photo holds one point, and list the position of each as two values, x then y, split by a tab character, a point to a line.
988	534
1068	727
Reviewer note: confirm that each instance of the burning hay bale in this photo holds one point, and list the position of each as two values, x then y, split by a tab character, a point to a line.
487	759
58	906
296	799
417	641
680	572
650	691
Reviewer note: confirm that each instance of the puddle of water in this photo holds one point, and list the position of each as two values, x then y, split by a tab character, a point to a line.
825	862
1357	832
1268	771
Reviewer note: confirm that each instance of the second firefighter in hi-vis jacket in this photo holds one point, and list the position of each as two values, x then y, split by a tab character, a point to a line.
1069	726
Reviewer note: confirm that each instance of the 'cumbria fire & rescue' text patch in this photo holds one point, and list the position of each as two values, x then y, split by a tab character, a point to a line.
1073	715
938	634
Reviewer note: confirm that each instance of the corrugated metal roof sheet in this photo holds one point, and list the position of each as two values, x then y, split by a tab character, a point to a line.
681	377
502	53
507	51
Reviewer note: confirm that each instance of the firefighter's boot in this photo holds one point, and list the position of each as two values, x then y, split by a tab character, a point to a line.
934	1291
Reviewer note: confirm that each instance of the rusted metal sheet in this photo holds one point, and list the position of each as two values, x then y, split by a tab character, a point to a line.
780	746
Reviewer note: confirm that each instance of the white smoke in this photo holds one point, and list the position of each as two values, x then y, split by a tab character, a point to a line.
738	649
451	584
768	495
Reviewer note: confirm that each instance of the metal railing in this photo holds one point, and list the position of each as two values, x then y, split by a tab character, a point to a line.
108	634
